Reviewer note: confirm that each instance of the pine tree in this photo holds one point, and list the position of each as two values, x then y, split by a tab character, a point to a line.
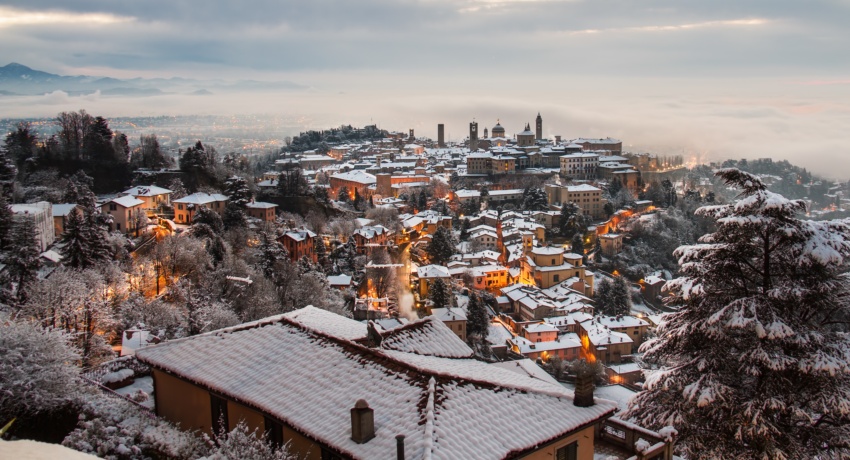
234	217
206	216
342	195
755	361
75	251
464	229
442	247
572	220
236	188
577	244
535	200
477	318
7	221
23	257
178	190
613	297
440	294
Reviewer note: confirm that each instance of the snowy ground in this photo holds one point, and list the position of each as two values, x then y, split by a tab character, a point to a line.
144	384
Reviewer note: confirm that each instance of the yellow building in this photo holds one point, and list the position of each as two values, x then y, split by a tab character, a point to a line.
551	265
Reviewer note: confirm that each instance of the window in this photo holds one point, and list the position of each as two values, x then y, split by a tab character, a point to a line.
218	409
117	226
113	207
568	452
556	278
274	431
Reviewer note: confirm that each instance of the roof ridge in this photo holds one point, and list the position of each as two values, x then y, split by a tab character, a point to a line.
429	420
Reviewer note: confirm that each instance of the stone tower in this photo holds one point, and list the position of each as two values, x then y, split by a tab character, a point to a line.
473	136
539	127
441	135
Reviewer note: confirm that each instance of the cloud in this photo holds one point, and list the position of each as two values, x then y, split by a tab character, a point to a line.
11	17
60	97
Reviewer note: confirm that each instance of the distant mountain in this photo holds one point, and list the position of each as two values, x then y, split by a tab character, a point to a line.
18	79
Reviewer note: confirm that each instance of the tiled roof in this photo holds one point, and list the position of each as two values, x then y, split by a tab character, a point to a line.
446	408
427	336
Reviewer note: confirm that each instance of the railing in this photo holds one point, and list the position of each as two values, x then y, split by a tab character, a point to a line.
95	374
645	444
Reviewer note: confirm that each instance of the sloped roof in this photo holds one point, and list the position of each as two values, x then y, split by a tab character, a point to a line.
446	408
326	322
146	190
128	201
427	336
201	198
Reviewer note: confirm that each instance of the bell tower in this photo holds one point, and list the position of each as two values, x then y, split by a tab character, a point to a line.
539	127
473	136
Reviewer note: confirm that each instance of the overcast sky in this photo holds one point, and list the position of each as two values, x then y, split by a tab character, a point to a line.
711	78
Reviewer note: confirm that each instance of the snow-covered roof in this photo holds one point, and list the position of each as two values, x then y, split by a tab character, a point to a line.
433	271
260	205
566	341
621	321
339	280
540	327
582	188
547	251
601	335
359	176
427	336
323	321
299	235
468	405
128	201
529	368
146	190
201	198
449	314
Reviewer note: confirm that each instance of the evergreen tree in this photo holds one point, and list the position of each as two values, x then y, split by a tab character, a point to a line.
358	202
236	188
234	217
535	200
7	221
321	253
343	195
22	259
178	190
441	247
206	216
608	208
477	318
464	229
572	220
422	204
577	244
755	361
613	297
440	294
614	187
84	239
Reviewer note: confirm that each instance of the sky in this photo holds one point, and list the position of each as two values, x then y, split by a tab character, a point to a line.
706	79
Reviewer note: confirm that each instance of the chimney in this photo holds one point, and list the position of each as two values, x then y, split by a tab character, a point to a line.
584	389
399	447
362	422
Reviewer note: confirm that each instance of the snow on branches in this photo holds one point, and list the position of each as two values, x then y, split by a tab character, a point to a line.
755	361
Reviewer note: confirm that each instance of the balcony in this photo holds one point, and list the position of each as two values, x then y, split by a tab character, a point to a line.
616	438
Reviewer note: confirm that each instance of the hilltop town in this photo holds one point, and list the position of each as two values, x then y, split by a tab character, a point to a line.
362	293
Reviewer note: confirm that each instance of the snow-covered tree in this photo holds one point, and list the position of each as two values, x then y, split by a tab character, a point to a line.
755	364
442	246
7	221
234	217
477	325
572	220
37	373
613	297
84	241
178	190
113	428
23	258
535	200
242	444
236	188
440	294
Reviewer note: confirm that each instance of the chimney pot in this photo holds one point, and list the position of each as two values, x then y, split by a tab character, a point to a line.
399	445
362	422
